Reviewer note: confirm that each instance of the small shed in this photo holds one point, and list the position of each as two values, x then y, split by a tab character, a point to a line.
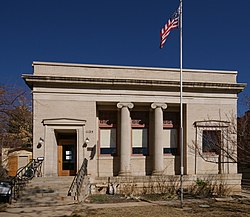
15	158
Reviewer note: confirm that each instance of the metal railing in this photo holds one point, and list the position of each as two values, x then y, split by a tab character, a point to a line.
24	174
81	179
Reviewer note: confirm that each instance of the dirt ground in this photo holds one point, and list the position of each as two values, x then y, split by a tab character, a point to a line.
192	207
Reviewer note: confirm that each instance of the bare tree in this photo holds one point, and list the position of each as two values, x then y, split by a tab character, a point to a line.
245	102
243	140
15	117
216	137
223	141
216	141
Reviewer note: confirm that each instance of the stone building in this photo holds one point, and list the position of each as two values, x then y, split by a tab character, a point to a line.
125	120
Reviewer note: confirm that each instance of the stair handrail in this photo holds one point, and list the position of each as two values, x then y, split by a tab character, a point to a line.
24	174
78	180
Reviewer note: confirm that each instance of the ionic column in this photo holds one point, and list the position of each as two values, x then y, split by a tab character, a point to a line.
158	165
125	146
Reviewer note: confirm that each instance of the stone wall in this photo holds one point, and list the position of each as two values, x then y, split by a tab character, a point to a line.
229	183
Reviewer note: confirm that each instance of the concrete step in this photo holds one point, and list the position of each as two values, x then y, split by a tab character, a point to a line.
43	202
57	182
52	180
245	181
46	191
245	193
245	184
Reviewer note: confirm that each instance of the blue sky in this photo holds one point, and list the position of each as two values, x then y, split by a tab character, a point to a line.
124	32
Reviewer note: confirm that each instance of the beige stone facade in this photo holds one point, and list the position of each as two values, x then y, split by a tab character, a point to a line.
125	120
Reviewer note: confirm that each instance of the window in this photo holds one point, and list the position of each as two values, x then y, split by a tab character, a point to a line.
107	132
211	141
139	132
140	141
170	138
68	157
170	132
108	141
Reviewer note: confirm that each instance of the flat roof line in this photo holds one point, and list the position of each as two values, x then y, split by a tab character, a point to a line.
130	67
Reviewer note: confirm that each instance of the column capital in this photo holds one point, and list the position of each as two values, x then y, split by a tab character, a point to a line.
120	105
158	105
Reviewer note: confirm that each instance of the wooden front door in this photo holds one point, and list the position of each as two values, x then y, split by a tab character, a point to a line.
66	157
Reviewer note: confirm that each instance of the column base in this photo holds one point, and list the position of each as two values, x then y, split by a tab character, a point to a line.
157	173
124	173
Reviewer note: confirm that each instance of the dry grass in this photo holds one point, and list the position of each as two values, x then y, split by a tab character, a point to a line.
220	209
235	208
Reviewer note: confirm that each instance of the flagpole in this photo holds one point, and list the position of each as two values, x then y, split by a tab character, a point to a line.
174	22
181	111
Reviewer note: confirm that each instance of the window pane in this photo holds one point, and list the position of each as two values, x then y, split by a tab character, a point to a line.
140	141
143	151
68	157
140	138
211	141
170	138
108	141
108	150
108	138
172	151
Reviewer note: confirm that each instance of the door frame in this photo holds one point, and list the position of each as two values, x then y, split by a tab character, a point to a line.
55	126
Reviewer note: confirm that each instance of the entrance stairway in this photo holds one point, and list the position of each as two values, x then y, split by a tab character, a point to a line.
45	191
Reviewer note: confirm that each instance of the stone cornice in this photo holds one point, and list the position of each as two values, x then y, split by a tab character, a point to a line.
211	123
81	82
96	66
64	121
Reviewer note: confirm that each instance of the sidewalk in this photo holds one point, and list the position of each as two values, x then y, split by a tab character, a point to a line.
63	210
46	211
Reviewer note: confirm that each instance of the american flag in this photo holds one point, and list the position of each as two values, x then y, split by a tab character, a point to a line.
172	23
